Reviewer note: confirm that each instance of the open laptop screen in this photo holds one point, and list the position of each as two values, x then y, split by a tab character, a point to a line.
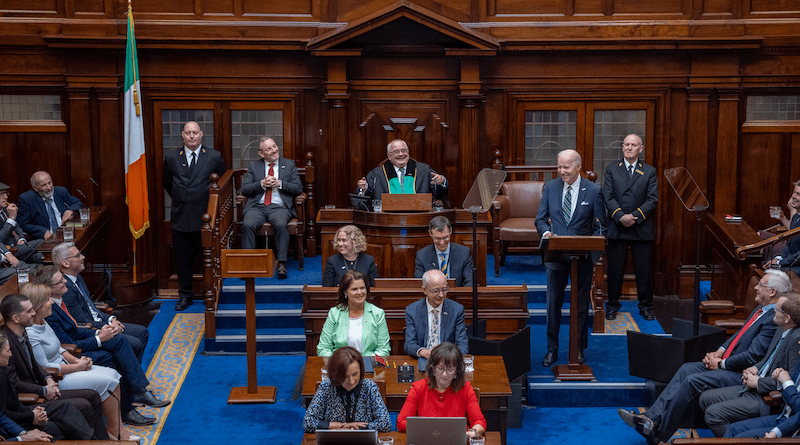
346	437
436	430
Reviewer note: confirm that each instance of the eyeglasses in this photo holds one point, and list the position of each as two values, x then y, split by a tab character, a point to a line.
62	281
442	291
77	255
397	152
441	238
780	310
442	370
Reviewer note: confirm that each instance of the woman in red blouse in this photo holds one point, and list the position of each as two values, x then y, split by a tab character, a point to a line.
445	392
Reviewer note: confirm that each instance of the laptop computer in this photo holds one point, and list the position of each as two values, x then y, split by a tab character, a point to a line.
346	437
436	430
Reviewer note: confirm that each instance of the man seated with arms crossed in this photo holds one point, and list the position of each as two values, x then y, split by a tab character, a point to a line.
103	346
434	319
789	257
718	369
454	260
724	406
26	375
45	208
71	263
400	174
270	184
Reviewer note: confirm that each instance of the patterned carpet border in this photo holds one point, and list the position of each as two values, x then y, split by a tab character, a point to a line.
622	324
168	369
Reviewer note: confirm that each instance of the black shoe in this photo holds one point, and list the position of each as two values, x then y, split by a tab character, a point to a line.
146	398
183	303
611	314
282	272
641	423
549	359
133	417
581	358
647	314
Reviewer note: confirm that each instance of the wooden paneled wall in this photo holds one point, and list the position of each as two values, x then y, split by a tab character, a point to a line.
452	78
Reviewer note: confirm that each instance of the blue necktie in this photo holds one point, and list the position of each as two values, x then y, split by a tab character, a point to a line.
445	270
52	215
84	291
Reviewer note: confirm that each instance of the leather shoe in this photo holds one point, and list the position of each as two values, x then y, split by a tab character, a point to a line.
647	314
581	358
183	303
641	423
133	417
146	398
282	272
549	359
611	314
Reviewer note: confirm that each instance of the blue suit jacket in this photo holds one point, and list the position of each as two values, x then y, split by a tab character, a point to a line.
791	251
460	263
77	305
587	219
754	343
68	332
453	328
32	214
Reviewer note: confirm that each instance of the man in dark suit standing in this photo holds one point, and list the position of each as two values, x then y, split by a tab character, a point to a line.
45	208
789	257
402	175
573	206
186	180
454	260
719	368
630	190
270	184
11	234
434	319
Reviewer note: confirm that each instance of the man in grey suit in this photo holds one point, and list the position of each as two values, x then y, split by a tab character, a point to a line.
630	190
454	260
572	206
434	319
724	406
718	369
270	185
186	180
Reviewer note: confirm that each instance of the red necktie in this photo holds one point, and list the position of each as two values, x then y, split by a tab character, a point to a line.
64	308
268	192
741	332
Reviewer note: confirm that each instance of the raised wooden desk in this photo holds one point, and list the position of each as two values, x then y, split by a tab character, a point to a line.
84	236
394	238
489	376
492	438
505	309
730	277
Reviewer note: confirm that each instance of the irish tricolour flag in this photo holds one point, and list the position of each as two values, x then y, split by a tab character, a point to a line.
135	168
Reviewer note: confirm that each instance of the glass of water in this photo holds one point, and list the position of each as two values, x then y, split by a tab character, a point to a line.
69	233
22	275
85	215
376	205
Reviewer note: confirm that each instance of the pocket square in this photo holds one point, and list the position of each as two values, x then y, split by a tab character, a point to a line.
584	203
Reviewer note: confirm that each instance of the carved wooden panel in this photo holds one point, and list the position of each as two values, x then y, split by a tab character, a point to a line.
718	6
761	6
766	174
157	7
221	7
273	7
527	7
676	7
36	7
89	6
588	7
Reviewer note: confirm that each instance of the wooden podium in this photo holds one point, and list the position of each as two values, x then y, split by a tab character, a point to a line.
249	264
573	248
417	202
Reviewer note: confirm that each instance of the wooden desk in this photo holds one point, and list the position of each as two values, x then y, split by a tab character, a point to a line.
730	276
394	238
505	309
84	236
492	438
489	376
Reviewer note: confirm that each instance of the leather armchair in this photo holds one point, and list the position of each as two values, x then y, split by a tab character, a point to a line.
513	214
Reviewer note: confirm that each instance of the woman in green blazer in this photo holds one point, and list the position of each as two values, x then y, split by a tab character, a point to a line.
354	322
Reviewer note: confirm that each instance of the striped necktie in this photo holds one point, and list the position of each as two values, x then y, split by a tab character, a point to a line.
566	209
444	267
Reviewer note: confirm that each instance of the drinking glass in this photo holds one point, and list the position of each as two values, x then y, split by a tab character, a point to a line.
376	205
